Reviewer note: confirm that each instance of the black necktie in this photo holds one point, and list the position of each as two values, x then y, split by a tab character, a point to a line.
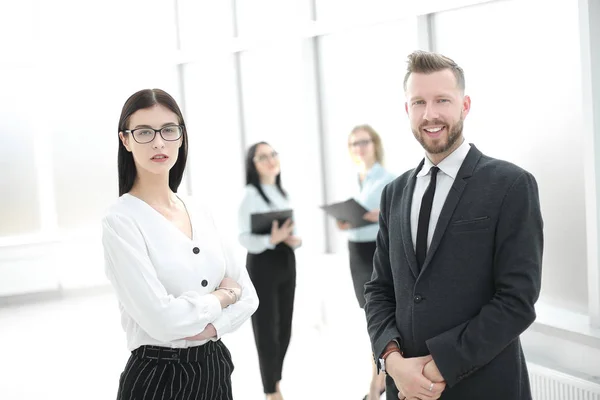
424	215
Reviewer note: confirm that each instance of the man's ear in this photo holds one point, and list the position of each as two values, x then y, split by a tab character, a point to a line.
466	106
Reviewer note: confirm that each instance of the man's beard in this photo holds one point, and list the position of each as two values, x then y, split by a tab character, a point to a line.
454	134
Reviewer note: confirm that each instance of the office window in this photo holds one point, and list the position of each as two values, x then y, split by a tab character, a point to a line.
271	17
279	101
526	108
363	72
357	11
215	162
19	122
115	32
83	114
205	23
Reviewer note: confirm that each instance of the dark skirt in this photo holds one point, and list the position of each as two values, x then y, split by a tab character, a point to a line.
361	267
163	373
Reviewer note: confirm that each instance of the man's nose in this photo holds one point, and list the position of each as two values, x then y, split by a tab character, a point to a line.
430	113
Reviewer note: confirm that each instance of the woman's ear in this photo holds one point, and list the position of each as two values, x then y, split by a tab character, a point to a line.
125	141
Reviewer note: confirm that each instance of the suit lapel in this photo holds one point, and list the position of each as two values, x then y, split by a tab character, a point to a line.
405	204
456	191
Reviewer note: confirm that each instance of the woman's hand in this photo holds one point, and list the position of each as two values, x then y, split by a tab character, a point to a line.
207	333
230	283
233	285
279	234
372	216
226	298
293	241
343	225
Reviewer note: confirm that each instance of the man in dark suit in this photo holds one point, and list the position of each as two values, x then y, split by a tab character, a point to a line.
457	269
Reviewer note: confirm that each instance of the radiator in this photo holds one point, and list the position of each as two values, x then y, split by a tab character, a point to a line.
548	384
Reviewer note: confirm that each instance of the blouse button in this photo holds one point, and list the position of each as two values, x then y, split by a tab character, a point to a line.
196	250
204	283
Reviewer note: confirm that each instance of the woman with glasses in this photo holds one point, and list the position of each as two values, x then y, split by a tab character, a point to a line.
271	263
178	290
366	151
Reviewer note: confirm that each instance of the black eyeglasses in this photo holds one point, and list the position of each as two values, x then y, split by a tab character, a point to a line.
361	143
169	133
264	157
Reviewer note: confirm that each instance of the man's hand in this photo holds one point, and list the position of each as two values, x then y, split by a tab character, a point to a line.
432	372
372	216
407	374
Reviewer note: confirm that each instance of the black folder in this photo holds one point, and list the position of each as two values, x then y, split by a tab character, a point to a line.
261	223
348	211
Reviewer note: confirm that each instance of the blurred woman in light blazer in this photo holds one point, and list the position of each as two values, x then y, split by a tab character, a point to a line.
366	151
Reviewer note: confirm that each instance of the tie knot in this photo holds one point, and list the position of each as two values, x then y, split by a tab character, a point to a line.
434	170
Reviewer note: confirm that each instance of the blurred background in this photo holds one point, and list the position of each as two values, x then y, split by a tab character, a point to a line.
299	74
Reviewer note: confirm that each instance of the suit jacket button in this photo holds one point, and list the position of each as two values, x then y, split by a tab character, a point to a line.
418	298
196	250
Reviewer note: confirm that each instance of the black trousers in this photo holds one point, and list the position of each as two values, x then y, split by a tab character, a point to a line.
361	267
162	373
273	273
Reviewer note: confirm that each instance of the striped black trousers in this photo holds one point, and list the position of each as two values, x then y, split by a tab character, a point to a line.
161	373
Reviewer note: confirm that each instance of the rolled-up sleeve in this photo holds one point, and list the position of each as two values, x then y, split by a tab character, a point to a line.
164	317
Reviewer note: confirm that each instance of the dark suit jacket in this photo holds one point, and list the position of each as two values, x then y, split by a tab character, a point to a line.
476	291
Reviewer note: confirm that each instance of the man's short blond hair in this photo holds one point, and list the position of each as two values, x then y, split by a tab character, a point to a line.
425	62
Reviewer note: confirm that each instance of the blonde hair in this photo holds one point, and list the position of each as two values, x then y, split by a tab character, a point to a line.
377	143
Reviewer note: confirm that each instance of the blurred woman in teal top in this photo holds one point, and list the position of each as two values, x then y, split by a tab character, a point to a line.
366	150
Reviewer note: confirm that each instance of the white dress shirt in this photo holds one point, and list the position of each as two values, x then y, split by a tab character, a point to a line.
253	203
163	279
445	179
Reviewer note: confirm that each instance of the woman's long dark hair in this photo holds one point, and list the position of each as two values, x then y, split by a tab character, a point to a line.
252	177
126	166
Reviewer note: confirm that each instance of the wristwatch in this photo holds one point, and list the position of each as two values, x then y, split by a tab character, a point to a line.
392	347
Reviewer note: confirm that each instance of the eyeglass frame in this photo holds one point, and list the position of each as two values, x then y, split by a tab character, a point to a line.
159	131
360	143
273	155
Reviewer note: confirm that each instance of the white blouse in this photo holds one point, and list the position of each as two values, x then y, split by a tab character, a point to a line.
163	279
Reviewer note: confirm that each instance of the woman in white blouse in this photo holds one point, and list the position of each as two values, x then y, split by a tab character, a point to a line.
366	151
178	290
271	263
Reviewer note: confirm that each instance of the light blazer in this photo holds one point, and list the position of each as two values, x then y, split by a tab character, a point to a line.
476	291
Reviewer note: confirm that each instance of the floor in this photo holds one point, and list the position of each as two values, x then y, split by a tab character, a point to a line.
73	347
